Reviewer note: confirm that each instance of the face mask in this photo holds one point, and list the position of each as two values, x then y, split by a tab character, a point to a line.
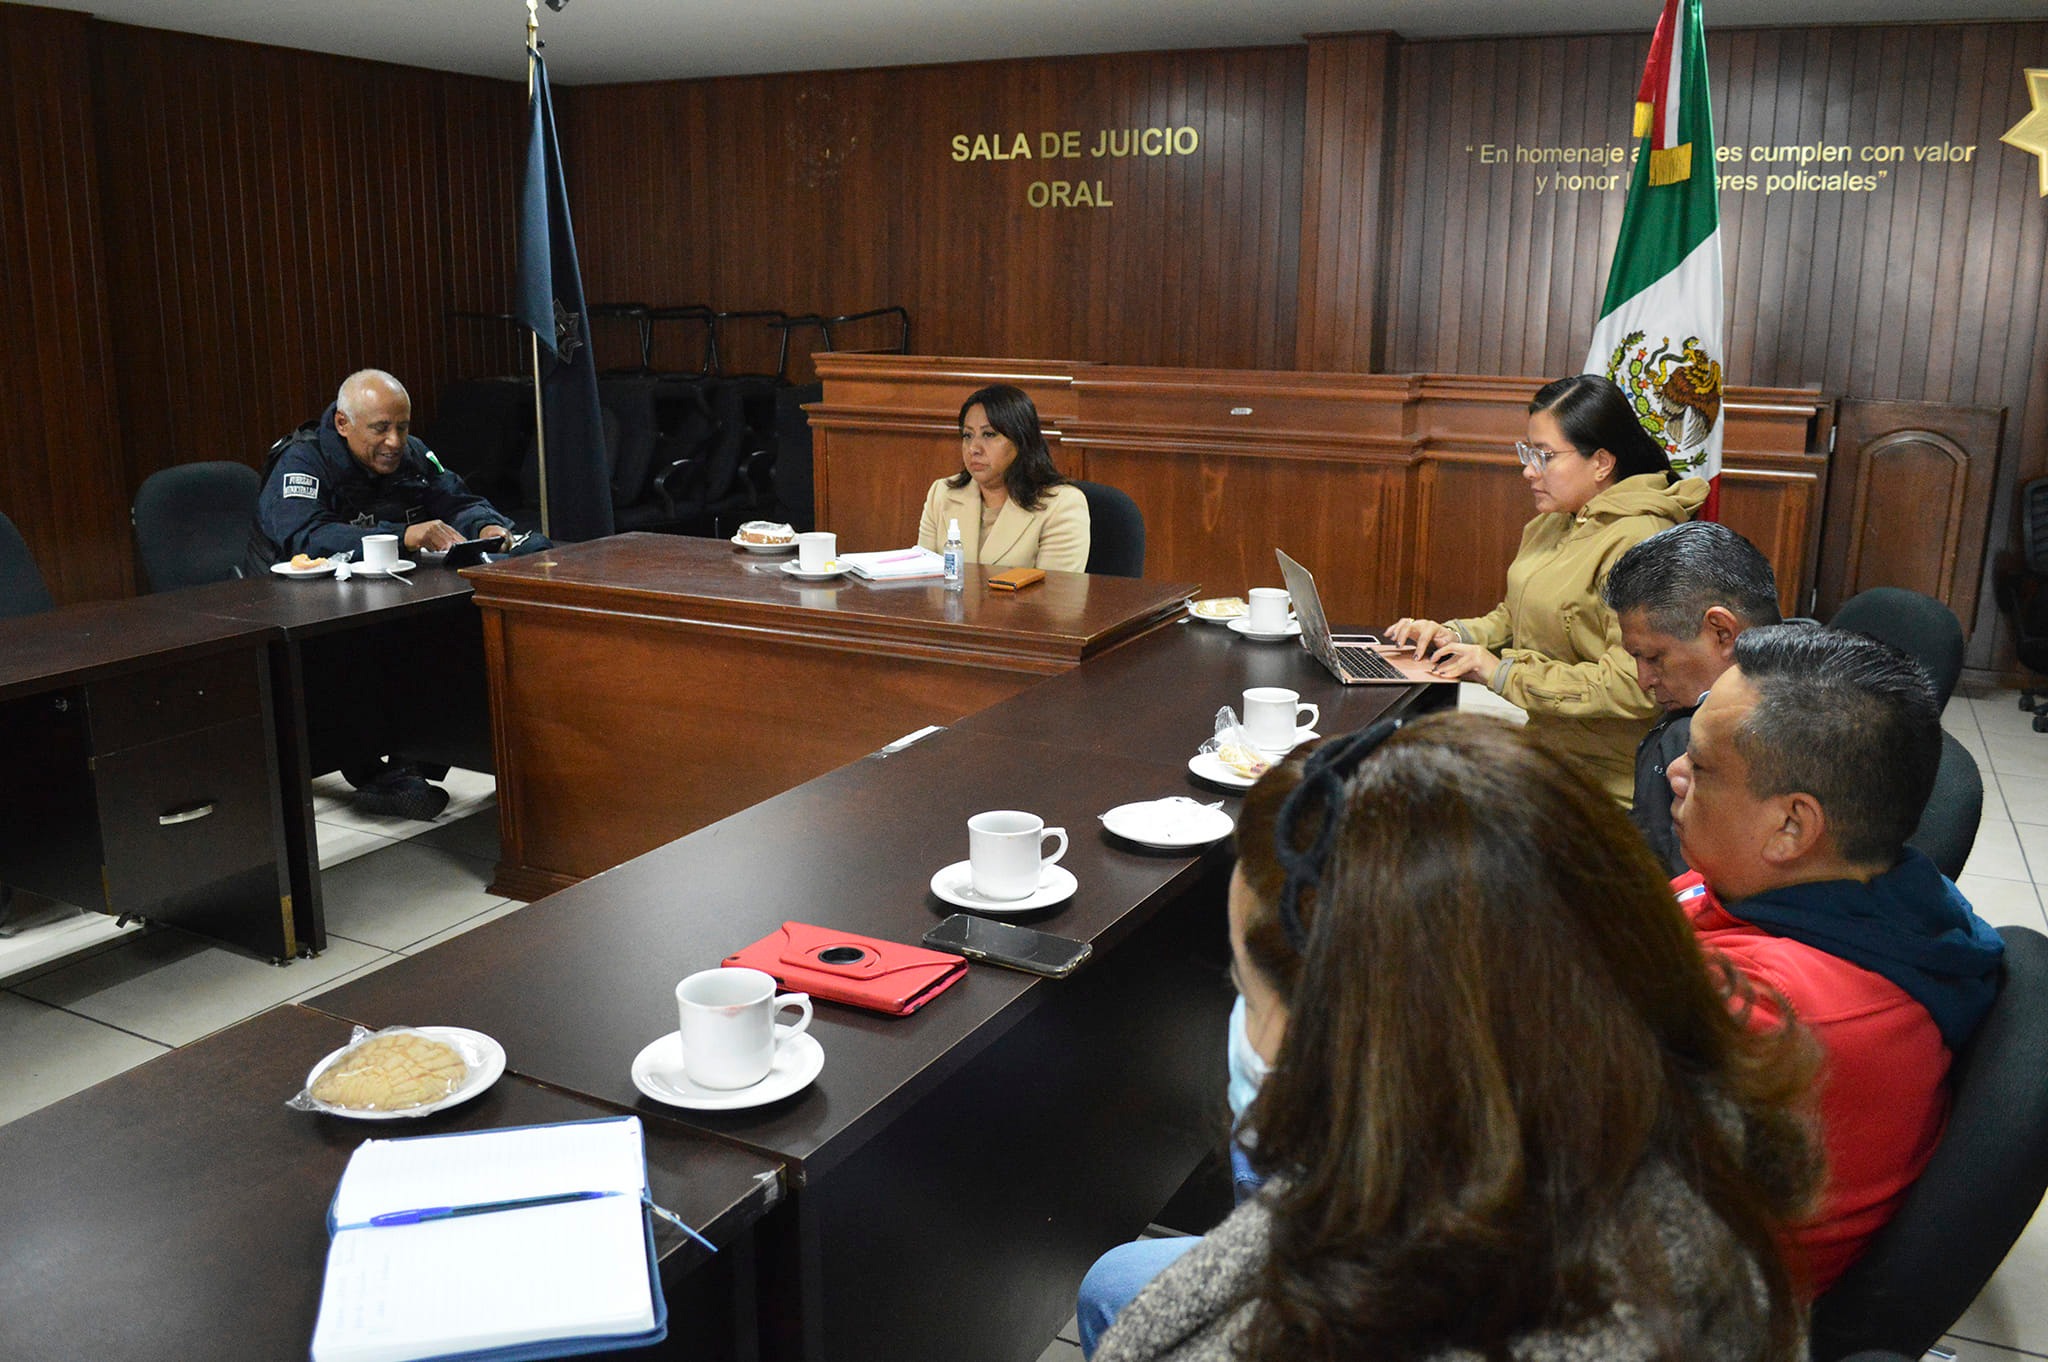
1247	1069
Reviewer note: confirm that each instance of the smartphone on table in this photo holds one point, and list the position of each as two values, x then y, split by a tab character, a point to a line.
1004	943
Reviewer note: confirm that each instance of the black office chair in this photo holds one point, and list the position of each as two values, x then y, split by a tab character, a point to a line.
2018	589
1948	825
1116	531
192	523
22	589
1977	1193
1912	623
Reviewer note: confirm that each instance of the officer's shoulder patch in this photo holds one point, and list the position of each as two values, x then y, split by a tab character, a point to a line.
302	485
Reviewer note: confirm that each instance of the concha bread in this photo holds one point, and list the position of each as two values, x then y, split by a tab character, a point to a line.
391	1073
766	532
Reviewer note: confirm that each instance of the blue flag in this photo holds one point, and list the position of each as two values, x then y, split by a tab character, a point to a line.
551	305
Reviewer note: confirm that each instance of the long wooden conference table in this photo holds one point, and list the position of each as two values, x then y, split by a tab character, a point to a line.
949	1175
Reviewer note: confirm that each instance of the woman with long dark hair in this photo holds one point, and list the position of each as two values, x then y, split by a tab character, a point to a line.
1511	1107
1601	483
1013	507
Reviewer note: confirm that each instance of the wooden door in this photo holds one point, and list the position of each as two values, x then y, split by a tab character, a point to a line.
1909	501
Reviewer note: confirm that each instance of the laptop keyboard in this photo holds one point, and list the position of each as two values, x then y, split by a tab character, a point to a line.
1366	662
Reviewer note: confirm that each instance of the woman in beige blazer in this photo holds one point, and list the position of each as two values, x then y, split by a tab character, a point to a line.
1601	483
1013	507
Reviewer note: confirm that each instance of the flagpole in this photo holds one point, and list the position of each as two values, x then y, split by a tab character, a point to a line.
540	430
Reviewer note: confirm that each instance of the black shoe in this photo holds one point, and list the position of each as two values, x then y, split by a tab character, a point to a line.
396	796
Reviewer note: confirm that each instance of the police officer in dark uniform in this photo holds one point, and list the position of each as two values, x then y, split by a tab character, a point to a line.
360	472
355	472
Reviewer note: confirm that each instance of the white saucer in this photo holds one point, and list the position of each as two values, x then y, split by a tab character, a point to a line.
485	1057
1210	767
402	566
837	569
658	1072
325	569
955	884
752	547
1244	626
1175	823
1301	735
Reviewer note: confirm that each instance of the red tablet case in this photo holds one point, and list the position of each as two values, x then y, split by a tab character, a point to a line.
886	976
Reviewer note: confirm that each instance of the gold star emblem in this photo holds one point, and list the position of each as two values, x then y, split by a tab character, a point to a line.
2031	133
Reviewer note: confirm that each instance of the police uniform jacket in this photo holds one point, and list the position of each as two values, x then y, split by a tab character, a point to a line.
319	501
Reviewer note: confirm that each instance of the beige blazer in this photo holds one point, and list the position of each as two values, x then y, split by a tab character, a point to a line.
1053	537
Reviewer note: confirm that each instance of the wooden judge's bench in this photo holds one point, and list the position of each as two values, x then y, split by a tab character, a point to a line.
1401	492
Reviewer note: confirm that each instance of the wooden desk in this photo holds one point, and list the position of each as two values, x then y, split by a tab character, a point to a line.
957	1170
141	777
360	668
180	1210
646	685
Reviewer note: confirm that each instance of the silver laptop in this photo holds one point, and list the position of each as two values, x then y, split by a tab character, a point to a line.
1354	659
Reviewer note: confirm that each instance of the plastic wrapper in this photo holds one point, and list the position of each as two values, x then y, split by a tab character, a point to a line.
396	1071
1234	748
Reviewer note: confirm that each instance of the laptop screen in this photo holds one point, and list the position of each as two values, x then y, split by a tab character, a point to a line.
1308	609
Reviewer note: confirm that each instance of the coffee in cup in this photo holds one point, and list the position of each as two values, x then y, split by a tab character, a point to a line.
1268	611
1006	852
729	1027
1273	717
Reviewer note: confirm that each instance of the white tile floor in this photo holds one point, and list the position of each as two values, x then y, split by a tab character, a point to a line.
393	888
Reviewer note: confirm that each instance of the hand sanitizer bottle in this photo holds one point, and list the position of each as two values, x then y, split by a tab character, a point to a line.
953	556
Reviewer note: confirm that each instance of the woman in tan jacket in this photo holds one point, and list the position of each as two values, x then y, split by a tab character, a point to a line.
1601	483
1013	507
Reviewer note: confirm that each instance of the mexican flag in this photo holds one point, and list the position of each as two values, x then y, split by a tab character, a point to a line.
1659	334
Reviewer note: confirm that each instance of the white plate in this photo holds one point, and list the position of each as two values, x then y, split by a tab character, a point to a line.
1244	626
752	547
1215	619
485	1057
325	569
1210	767
1171	824
955	884
837	569
658	1072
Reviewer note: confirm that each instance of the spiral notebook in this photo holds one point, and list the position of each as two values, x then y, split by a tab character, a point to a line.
426	1260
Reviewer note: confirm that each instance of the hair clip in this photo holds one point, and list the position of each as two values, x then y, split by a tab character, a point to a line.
1323	776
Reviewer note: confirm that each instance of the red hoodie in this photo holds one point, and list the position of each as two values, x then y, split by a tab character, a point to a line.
1884	1090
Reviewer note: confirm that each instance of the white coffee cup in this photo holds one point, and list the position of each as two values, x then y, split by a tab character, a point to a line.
729	1027
1268	612
1273	717
380	552
1006	852
816	550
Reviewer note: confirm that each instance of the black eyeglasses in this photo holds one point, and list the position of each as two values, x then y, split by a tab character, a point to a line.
1319	795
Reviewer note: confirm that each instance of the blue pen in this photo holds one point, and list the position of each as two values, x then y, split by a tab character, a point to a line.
482	1208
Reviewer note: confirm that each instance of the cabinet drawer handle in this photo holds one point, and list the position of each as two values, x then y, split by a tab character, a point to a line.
193	814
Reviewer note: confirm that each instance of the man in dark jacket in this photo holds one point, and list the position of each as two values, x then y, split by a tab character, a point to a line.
360	472
355	472
1682	597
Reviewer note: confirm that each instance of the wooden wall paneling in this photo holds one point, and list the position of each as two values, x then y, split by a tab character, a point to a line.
1214	513
1343	212
1910	502
287	220
1470	509
60	482
1176	272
